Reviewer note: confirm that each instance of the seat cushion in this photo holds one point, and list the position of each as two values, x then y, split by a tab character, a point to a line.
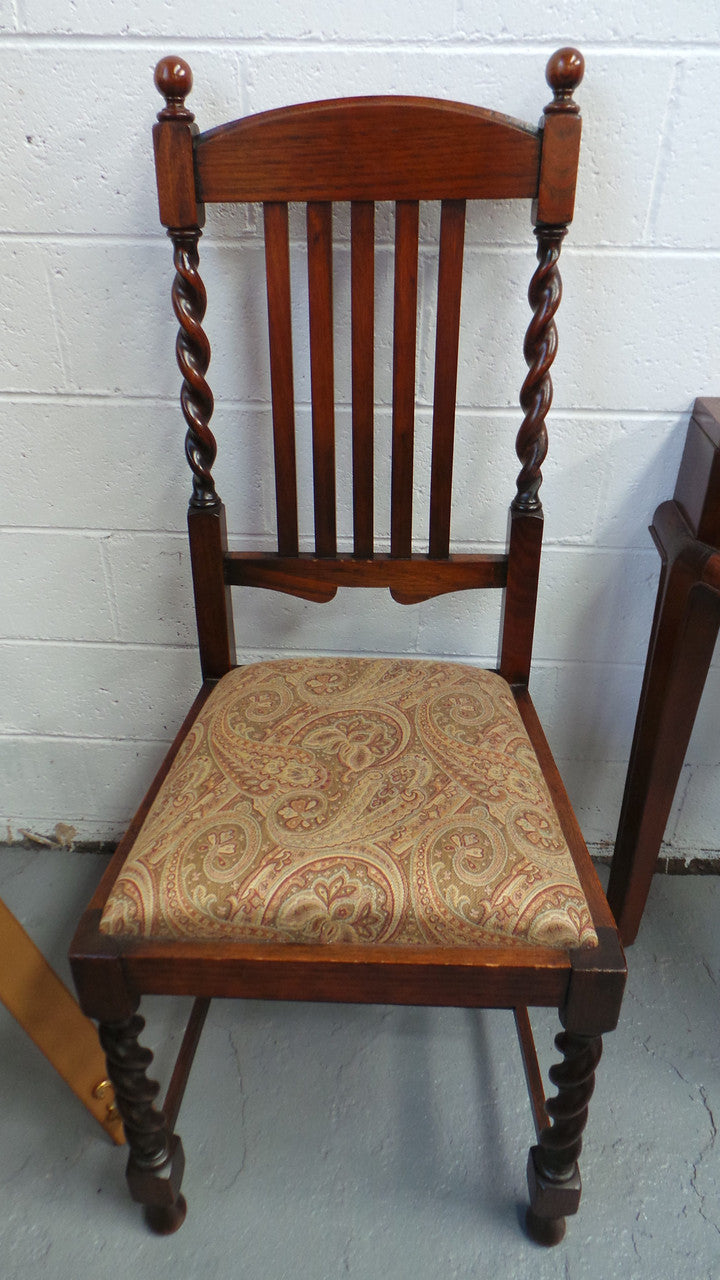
354	800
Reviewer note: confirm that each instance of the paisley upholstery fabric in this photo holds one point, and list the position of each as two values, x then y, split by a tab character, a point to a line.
353	800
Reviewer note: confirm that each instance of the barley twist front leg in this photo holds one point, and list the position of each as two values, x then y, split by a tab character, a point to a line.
156	1164
553	1174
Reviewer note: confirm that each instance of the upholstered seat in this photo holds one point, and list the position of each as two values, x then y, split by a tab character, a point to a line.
354	800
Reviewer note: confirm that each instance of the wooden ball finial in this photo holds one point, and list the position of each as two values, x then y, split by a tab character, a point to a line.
173	79
564	72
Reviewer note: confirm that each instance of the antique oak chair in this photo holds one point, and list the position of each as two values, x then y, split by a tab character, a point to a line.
373	830
686	532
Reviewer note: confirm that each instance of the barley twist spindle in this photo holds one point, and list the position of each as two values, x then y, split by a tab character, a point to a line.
552	211
539	349
560	1144
192	350
553	1175
183	216
135	1094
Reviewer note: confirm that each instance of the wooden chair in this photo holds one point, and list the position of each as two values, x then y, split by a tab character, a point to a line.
359	829
686	532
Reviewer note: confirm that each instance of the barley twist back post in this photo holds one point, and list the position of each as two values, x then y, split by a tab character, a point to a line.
552	211
183	216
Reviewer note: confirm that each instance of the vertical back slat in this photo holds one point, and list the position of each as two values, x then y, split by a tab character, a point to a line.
362	223
452	236
277	268
403	415
319	239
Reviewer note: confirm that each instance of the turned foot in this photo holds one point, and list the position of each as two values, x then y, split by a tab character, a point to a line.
165	1219
545	1231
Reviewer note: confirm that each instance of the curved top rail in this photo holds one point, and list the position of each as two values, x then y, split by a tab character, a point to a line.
381	148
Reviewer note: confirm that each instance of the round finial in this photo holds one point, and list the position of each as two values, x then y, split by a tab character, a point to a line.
564	73
173	79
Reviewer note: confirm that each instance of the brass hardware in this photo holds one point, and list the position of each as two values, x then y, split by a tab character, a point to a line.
112	1113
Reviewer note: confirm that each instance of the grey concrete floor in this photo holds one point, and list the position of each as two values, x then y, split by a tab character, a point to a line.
332	1141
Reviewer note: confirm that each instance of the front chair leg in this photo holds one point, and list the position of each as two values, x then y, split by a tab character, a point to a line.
553	1174
156	1163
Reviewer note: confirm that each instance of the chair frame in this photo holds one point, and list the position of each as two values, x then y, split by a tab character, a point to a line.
309	153
686	532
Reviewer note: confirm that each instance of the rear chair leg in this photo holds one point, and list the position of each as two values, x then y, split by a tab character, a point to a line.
156	1163
553	1175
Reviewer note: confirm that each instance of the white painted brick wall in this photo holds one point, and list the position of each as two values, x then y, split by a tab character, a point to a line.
96	628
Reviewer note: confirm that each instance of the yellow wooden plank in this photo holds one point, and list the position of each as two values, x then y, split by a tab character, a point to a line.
32	992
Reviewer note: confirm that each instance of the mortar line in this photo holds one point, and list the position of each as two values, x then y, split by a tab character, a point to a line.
123	399
461	44
539	664
132	645
29	736
249	542
249	241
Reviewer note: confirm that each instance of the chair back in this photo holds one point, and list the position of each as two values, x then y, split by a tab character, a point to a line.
364	150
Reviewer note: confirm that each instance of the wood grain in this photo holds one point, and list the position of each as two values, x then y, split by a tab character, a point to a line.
452	236
277	267
319	240
382	148
317	578
207	531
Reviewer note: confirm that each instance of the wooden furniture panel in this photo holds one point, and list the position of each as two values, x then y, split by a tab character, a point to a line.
277	257
369	149
319	237
450	264
32	992
682	642
363	373
403	393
